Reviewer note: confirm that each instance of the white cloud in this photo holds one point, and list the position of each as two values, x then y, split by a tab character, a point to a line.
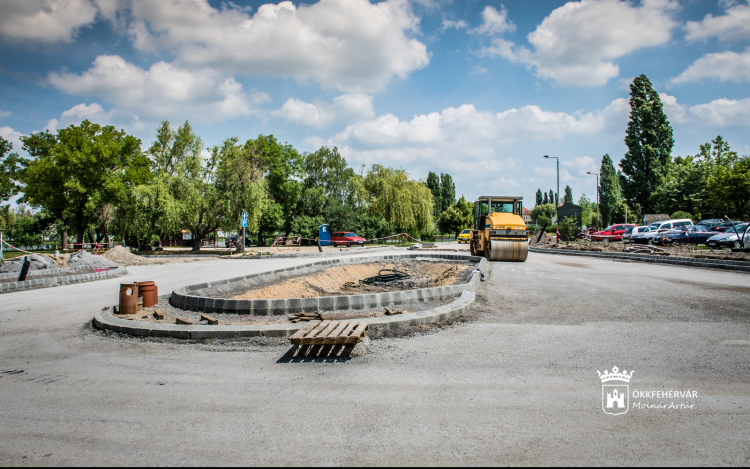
162	90
581	165
460	24
478	70
676	112
733	26
724	113
494	22
352	45
578	42
93	112
13	137
4	113
723	66
320	114
44	20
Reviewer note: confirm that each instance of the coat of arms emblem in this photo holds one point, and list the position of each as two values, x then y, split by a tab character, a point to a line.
615	397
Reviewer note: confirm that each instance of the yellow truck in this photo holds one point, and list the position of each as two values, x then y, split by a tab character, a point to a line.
499	231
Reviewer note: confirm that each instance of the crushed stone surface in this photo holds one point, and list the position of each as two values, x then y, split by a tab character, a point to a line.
124	257
38	262
345	280
86	259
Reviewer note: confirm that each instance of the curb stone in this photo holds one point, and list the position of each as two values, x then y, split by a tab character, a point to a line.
183	299
31	284
107	321
741	266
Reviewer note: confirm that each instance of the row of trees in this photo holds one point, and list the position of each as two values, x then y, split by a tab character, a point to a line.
713	182
542	198
95	181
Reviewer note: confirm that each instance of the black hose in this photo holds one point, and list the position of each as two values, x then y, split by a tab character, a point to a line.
381	277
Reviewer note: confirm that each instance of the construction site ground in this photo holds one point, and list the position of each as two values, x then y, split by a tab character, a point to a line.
698	252
346	280
515	382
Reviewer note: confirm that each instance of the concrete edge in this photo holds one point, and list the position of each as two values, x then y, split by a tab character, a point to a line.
32	284
740	266
183	298
348	251
105	320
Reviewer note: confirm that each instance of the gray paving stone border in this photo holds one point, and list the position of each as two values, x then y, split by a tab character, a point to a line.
32	283
105	320
344	252
742	266
183	299
54	270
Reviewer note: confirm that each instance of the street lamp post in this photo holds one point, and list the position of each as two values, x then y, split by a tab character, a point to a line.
557	196
597	197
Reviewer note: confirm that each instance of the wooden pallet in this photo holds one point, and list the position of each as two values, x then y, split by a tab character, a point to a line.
330	333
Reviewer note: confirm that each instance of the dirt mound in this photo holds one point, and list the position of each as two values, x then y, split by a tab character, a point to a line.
122	256
86	259
344	280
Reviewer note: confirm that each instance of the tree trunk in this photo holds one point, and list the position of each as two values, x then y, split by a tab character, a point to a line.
64	238
197	243
240	238
79	235
261	241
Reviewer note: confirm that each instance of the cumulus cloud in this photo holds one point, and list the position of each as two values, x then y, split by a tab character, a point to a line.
578	42
723	66
160	91
494	22
352	45
320	114
724	113
733	26
93	112
581	165
448	24
676	112
44	20
13	136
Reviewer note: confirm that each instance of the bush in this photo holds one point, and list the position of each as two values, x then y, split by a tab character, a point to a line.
551	229
680	214
568	227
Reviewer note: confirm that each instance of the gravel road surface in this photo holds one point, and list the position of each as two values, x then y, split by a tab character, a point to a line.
517	384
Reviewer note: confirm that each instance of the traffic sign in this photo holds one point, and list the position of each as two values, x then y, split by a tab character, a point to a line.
244	219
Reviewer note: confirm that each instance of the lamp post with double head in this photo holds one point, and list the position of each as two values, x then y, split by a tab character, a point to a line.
597	197
557	195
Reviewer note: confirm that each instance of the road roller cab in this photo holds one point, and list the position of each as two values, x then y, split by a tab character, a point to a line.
499	230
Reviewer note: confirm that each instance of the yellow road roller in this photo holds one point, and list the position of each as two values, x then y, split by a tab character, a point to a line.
499	232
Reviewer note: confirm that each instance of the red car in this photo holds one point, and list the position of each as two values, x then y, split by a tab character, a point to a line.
346	237
611	233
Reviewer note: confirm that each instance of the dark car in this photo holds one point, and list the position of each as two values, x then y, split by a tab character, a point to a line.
696	234
729	239
711	222
726	226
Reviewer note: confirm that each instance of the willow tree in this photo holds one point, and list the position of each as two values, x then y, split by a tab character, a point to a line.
404	203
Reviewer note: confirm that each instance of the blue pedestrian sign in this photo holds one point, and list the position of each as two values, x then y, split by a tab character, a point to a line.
244	219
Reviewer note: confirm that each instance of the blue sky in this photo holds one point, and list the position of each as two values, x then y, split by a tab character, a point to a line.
478	89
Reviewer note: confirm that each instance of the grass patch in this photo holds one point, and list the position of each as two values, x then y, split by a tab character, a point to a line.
8	254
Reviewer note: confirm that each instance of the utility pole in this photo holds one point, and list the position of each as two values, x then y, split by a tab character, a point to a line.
557	196
597	198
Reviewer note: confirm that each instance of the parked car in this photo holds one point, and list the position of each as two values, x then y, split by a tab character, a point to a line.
346	237
696	234
657	228
729	239
464	237
710	222
611	233
726	226
631	231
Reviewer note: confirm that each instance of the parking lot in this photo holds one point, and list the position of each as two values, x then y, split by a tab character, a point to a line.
515	383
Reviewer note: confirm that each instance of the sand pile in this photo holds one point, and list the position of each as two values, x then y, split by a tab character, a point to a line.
122	256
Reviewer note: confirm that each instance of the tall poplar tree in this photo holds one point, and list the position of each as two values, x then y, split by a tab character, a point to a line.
433	183
538	197
609	190
552	198
447	191
649	140
568	197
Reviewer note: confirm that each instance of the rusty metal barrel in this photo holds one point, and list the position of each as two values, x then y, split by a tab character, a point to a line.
150	293
128	298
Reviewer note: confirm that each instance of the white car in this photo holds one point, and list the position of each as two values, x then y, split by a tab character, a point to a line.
633	230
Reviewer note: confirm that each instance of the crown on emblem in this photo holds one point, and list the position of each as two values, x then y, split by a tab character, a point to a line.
616	375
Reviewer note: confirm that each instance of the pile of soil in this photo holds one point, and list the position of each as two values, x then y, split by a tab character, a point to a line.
86	259
124	257
344	280
677	251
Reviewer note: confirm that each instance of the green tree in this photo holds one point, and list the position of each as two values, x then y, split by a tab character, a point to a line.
539	197
81	169
729	182
609	190
587	209
568	227
447	191
457	217
649	140
544	210
403	203
433	183
9	166
552	197
568	197
283	182
545	201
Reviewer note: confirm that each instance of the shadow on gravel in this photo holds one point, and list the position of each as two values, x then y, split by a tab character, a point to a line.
317	354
